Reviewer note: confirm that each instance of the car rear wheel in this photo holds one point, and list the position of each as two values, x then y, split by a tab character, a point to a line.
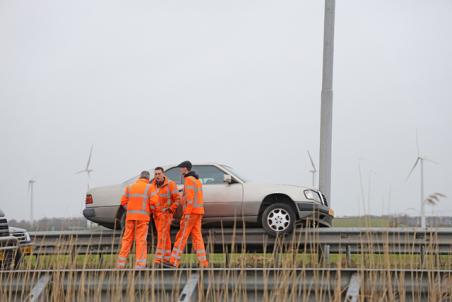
278	219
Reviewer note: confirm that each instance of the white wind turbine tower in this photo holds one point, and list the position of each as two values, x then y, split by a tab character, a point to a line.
87	169
313	171
420	160
31	183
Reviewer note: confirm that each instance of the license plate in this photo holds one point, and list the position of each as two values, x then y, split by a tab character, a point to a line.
2	256
27	250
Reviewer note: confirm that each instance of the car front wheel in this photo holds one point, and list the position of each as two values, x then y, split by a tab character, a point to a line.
278	219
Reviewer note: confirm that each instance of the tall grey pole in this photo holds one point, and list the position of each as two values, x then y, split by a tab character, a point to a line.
326	118
30	186
423	223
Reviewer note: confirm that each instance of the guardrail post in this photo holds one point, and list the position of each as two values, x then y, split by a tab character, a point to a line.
422	254
348	253
189	291
353	288
324	255
37	290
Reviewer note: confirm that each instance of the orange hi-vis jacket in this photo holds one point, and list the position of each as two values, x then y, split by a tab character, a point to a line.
137	200
168	197
193	197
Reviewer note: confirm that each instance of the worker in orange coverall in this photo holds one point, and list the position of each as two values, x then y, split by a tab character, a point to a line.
167	204
190	224
137	200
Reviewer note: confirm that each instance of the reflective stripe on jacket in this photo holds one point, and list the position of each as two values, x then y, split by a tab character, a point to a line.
193	197
137	200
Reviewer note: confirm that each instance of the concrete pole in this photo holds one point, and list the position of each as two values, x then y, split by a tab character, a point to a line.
423	223
32	218
326	118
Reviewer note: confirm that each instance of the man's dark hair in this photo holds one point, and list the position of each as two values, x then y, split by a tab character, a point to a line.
159	168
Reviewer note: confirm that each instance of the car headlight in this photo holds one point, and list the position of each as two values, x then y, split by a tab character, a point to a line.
312	195
27	237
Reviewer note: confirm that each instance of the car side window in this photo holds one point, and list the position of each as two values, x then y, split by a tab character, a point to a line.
174	175
209	175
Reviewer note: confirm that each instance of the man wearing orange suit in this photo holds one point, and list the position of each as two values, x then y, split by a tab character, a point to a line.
190	224
137	200
168	201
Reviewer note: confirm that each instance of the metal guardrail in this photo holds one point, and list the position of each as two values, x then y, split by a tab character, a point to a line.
231	284
436	241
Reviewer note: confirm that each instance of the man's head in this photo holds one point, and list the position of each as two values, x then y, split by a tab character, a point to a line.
184	167
159	174
145	175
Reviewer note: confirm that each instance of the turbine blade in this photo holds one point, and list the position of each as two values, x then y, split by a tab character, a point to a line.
430	201
412	169
79	172
89	158
429	160
312	162
434	196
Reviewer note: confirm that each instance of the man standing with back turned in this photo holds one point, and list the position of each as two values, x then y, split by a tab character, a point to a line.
137	200
190	223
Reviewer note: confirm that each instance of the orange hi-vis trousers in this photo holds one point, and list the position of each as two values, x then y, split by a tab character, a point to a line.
163	226
138	230
190	224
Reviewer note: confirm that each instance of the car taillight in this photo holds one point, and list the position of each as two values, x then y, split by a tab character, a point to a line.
89	199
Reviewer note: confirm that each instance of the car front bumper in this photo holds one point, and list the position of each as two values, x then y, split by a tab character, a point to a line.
8	243
315	212
26	248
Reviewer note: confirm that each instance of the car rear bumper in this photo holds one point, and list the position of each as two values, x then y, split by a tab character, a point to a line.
102	215
89	213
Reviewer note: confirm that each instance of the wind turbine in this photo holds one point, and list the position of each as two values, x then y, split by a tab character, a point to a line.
420	160
87	169
31	183
313	171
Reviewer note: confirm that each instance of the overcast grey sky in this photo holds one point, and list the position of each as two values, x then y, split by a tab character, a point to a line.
140	79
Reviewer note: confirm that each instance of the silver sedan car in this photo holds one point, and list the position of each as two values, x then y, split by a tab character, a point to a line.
228	198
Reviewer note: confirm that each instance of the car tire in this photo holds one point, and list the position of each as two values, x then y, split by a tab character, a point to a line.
17	259
278	219
8	260
122	221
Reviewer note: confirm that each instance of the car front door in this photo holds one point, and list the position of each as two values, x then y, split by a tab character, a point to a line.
220	199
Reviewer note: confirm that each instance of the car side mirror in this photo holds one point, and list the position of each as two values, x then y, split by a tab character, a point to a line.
228	179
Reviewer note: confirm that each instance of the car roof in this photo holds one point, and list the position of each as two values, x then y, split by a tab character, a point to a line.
196	163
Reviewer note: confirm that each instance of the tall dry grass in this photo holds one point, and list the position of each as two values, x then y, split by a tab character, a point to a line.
290	270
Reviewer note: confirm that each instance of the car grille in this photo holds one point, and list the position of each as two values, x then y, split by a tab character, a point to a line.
325	202
20	236
4	230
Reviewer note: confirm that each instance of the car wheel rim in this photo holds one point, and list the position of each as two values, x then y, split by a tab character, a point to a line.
278	220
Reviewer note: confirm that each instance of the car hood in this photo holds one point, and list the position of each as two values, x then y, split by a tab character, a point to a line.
258	191
276	186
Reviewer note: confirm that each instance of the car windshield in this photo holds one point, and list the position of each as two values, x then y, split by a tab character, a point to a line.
233	171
